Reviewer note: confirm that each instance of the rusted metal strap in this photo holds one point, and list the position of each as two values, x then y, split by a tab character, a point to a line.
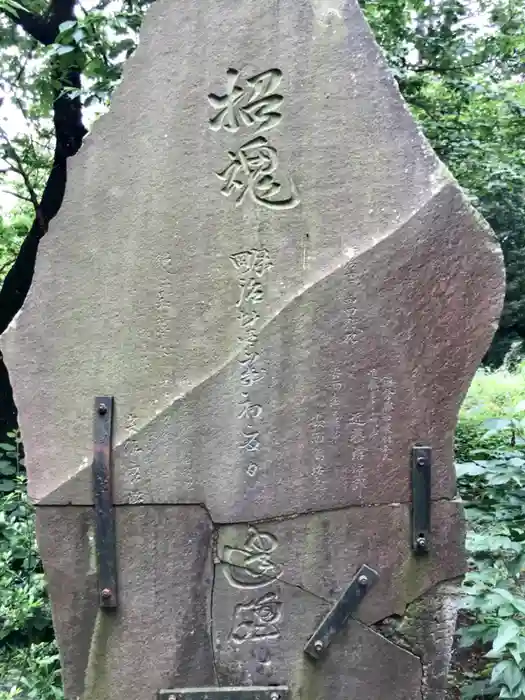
105	536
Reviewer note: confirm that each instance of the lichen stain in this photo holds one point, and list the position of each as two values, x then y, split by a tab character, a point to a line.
304	680
413	577
329	18
96	678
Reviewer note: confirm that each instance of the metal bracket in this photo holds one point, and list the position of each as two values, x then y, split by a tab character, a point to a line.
103	500
421	468
253	692
338	616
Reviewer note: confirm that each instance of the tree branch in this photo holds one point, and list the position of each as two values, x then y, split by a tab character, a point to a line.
22	172
35	25
44	27
441	70
18	196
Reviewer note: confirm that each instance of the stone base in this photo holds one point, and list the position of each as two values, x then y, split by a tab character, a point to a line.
204	605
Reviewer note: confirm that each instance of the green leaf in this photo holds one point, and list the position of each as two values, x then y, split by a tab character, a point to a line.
507	633
469	469
7	469
7	447
66	25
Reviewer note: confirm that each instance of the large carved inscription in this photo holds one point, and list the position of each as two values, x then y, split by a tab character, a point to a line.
249	108
258	616
252	105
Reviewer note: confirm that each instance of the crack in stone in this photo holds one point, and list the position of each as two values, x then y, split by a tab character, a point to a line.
305	590
409	631
423	594
218	560
397	638
292	516
214	537
343	260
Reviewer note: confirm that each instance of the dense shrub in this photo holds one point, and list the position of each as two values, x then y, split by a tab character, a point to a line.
491	480
492	395
29	665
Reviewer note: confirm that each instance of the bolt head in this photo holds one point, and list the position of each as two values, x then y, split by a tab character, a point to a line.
318	645
362	580
421	542
421	461
274	696
106	593
102	409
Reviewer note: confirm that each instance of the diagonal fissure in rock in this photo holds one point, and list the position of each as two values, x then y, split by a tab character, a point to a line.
215	535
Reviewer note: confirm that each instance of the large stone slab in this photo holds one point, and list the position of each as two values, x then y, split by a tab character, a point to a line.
382	294
376	360
159	635
260	257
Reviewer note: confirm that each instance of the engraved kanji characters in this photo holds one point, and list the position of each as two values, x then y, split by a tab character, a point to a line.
250	373
249	410
257	619
257	260
251	291
251	266
251	171
252	167
255	104
251	441
250	565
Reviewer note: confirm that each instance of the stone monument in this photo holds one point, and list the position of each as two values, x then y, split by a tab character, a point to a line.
266	297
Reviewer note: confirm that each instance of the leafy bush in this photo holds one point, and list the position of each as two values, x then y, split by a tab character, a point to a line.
29	665
492	395
492	486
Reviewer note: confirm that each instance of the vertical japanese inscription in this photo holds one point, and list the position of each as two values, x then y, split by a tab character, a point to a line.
250	108
252	105
251	267
251	567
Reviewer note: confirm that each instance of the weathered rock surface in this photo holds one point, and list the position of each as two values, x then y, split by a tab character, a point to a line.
261	258
382	296
160	632
320	553
360	661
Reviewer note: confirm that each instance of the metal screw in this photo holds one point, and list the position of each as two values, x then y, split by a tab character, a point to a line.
362	580
421	461
102	409
106	593
318	645
421	542
275	696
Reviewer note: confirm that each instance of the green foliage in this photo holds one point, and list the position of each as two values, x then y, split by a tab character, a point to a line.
29	665
13	229
493	395
492	486
31	672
